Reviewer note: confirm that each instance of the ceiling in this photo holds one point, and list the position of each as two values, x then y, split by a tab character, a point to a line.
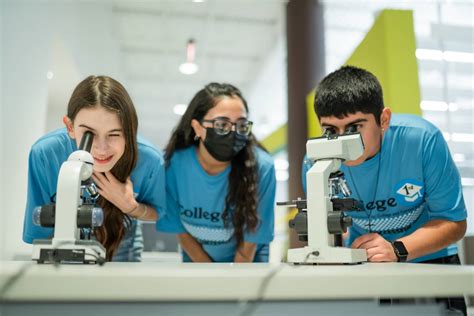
243	42
232	41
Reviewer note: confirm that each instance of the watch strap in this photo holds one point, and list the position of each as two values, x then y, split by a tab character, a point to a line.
400	251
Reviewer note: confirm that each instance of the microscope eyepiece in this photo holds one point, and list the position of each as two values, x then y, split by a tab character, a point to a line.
352	129
330	133
86	141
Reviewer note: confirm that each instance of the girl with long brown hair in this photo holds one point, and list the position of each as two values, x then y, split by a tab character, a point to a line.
128	170
220	182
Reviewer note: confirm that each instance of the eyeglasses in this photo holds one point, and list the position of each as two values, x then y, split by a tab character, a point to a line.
223	126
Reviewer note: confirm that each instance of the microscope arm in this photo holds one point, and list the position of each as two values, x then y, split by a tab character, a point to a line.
71	174
318	200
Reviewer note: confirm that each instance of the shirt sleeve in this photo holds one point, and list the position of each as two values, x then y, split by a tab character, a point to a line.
40	189
442	181
266	209
153	191
171	222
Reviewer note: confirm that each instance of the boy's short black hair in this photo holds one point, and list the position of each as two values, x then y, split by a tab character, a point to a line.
349	90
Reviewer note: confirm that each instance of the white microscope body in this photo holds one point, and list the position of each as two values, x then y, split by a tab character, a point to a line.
328	154
69	215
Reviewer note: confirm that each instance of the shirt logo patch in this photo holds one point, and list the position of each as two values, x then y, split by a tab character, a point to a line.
409	191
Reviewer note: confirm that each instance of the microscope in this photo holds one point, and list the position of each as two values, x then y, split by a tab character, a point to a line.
75	209
321	219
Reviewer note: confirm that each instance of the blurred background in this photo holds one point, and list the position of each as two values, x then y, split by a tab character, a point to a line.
163	52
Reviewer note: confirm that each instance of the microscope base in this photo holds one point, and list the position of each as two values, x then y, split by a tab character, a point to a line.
326	255
79	251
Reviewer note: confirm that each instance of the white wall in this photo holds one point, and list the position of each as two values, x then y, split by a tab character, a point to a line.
28	31
269	94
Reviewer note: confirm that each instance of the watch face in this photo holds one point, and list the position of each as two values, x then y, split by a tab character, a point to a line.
400	251
400	247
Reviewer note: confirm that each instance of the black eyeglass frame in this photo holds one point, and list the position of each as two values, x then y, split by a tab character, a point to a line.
220	131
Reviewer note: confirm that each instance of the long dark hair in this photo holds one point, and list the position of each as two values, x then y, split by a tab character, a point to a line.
104	91
241	200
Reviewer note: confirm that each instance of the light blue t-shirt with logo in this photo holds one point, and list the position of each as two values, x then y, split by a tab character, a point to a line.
196	201
411	181
45	160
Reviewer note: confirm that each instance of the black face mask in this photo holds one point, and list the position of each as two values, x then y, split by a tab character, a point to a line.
224	147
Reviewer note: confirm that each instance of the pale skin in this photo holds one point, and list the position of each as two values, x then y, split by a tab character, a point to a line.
107	149
431	237
233	109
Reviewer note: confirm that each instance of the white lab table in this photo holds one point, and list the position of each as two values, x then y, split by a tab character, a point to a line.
170	287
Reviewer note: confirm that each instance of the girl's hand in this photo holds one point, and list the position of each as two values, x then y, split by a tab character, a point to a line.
118	193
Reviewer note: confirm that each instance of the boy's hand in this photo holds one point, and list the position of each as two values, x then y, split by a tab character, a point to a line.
378	249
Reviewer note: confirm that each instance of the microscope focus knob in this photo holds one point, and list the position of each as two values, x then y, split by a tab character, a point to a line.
338	222
89	216
346	222
45	215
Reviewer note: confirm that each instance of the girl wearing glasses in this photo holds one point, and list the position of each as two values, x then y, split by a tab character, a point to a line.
128	170
220	182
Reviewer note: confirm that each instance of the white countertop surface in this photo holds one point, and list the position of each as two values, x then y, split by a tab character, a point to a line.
152	281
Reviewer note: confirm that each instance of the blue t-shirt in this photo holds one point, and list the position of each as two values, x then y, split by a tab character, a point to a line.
417	181
46	158
196	201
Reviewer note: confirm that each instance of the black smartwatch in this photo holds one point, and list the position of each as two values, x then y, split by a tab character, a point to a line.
400	251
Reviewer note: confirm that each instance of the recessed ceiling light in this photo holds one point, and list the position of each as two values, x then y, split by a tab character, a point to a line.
49	75
451	56
462	137
188	68
434	105
459	137
180	109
